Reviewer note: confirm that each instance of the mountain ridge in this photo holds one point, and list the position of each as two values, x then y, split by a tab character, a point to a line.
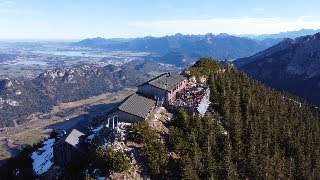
287	34
289	65
221	46
22	97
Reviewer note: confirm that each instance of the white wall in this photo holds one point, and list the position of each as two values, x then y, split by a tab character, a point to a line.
151	92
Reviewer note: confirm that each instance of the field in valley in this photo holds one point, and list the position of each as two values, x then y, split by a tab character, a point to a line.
62	117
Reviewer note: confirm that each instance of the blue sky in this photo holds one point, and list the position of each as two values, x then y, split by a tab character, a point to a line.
76	19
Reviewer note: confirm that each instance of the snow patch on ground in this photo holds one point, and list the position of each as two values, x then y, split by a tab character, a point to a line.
94	131
90	138
42	157
204	104
97	129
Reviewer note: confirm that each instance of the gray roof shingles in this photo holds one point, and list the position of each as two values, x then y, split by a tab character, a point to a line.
166	81
137	105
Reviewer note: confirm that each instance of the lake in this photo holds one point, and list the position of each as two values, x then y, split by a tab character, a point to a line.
69	53
41	63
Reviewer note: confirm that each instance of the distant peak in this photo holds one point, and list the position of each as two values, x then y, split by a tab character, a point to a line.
223	34
317	35
178	34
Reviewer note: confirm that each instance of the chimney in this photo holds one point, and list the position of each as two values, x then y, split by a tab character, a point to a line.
165	85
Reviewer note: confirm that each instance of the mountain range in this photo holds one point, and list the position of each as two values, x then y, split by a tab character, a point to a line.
184	49
292	65
288	34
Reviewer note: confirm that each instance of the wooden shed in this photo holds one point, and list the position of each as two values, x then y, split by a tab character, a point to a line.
70	146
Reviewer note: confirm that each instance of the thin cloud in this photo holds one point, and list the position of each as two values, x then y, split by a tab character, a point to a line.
9	7
4	22
212	6
171	8
241	25
258	10
17	12
7	3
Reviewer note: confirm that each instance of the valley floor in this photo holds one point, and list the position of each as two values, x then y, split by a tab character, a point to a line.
62	117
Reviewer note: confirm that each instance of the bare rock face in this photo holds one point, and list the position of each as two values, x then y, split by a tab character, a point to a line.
203	79
18	93
11	102
193	79
1	103
305	57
